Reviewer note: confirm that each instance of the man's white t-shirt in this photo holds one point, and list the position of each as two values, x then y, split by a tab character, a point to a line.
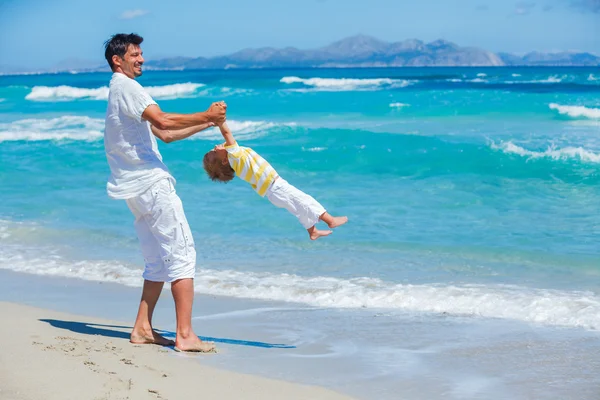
131	148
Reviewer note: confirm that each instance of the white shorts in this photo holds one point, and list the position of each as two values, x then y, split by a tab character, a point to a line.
165	236
301	205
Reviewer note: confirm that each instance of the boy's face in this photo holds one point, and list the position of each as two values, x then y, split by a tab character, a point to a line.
220	153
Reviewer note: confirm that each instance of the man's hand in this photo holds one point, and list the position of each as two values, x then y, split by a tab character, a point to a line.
216	113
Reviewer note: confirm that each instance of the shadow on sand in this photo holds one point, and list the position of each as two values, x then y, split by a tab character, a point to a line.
114	331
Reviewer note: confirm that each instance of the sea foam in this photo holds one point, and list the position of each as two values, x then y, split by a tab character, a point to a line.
69	93
346	84
576	111
566	153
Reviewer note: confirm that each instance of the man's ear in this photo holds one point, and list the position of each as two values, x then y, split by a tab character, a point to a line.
116	60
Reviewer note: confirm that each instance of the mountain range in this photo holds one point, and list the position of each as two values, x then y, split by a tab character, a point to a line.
356	52
366	51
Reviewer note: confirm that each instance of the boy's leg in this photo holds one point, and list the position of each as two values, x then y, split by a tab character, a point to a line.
315	233
333	222
302	206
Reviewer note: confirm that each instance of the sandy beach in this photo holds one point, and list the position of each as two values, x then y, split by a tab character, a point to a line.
55	355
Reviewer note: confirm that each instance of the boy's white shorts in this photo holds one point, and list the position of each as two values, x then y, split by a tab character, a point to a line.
301	205
165	236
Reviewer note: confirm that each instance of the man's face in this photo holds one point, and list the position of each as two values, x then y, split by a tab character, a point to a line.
131	63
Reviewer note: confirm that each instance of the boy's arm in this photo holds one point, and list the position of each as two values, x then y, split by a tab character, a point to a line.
227	135
169	135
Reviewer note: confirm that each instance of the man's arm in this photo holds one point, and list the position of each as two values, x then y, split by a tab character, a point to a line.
169	121
168	136
227	135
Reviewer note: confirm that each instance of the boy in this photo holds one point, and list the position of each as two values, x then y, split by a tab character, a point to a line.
225	161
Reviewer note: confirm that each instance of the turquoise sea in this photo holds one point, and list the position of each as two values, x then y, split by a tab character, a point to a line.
472	193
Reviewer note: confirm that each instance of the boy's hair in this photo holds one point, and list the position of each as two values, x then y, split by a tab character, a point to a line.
216	170
118	44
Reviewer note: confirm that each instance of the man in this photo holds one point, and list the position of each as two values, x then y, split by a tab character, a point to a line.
139	176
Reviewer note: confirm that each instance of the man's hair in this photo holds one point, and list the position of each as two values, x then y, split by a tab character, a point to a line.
216	170
118	44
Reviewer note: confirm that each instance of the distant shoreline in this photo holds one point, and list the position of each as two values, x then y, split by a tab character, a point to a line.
77	72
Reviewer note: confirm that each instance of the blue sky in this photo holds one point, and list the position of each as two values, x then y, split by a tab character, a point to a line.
42	33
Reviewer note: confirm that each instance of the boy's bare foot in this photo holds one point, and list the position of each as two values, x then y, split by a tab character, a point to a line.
337	221
315	233
195	345
150	338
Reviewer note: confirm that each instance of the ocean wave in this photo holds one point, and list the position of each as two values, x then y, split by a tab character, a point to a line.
60	128
90	129
346	84
493	301
69	93
567	153
549	307
474	80
591	77
314	149
399	105
481	75
576	111
245	130
21	252
550	79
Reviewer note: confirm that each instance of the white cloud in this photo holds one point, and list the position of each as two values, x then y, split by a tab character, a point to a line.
523	7
130	14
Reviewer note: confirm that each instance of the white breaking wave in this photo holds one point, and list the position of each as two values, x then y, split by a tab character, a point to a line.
516	75
314	149
65	93
89	129
69	93
567	153
245	130
576	111
474	80
551	307
591	77
550	79
481	75
346	84
541	306
65	127
399	105
173	91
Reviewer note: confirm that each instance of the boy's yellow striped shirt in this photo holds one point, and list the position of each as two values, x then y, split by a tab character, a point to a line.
251	167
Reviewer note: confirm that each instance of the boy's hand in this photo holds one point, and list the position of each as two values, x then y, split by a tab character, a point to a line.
217	112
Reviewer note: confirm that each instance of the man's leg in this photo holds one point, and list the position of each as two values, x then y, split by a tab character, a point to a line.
142	332
186	340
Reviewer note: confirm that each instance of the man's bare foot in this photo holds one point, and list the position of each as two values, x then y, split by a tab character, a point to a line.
197	346
315	233
150	338
337	221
